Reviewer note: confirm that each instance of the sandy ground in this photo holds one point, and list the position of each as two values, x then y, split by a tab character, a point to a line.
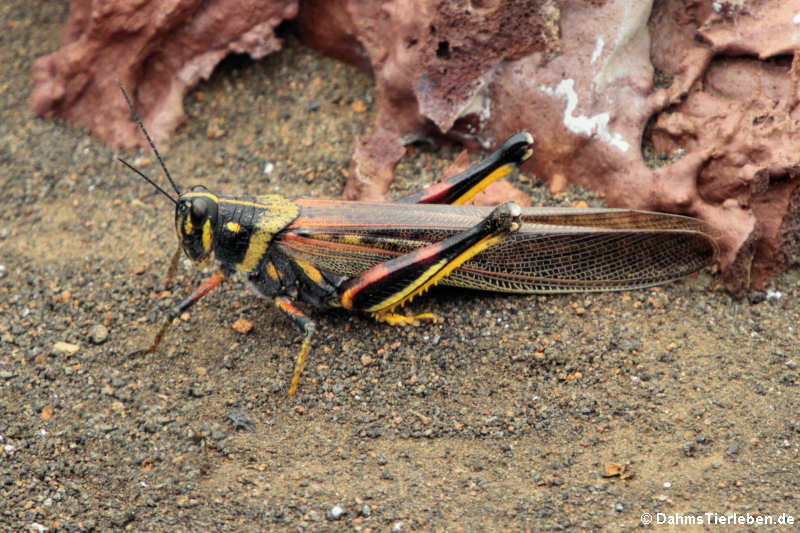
505	417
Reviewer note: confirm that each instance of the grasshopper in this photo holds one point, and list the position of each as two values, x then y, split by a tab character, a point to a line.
376	257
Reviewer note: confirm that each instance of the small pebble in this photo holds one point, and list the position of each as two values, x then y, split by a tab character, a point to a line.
733	448
98	334
269	167
358	106
365	511
397	526
774	295
335	512
65	348
689	448
613	469
756	297
241	420
243	325
618	507
3	271
214	131
558	183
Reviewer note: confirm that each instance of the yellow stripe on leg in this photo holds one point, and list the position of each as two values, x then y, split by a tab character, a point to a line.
395	319
299	364
493	176
414	288
429	278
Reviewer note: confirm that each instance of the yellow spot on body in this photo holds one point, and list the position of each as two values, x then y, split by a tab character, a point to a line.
207	236
272	272
352	239
233	227
187	226
278	212
259	242
310	270
274	213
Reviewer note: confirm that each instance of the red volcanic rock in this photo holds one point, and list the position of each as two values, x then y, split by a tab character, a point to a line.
739	121
433	62
736	120
581	77
158	50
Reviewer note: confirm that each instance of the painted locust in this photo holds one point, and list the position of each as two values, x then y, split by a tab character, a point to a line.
376	257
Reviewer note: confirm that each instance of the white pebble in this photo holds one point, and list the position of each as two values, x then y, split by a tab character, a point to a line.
335	512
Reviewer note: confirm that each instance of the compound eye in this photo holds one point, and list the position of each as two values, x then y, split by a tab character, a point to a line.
199	210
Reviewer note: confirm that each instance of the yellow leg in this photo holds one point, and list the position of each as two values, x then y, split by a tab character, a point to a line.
299	364
396	319
308	327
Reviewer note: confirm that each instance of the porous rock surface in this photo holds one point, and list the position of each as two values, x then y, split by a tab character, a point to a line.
157	50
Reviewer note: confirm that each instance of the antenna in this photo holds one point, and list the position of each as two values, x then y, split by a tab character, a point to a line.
152	145
148	180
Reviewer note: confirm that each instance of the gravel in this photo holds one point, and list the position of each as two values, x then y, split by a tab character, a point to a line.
415	429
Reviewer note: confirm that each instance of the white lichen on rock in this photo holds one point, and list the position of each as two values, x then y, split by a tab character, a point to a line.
595	126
